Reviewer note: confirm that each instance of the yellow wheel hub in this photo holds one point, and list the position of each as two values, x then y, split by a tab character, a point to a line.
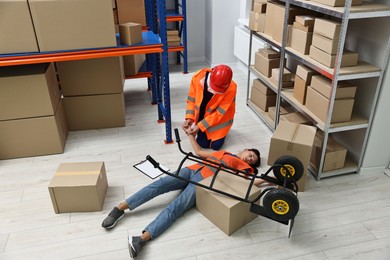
290	168
280	207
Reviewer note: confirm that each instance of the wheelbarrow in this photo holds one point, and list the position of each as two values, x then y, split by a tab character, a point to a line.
279	202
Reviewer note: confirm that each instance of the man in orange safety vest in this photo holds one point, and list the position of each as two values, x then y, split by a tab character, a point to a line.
211	105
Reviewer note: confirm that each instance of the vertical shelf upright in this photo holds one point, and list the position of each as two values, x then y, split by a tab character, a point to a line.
179	17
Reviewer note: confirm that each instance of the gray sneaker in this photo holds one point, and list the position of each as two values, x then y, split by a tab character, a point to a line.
112	218
135	246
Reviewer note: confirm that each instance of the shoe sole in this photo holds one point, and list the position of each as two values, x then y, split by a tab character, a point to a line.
131	248
113	225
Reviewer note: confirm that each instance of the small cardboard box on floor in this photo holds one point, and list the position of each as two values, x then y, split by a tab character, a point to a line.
293	139
79	187
226	213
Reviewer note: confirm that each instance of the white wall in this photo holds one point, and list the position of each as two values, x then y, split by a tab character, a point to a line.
221	17
196	22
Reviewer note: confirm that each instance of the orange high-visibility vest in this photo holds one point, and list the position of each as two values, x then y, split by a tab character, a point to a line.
219	114
223	158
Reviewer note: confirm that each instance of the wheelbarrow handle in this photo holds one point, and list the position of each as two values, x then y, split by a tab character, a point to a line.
152	161
177	135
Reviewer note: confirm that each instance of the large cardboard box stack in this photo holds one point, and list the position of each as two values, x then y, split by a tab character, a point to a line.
32	120
302	33
76	24
226	213
131	11
262	96
93	93
257	16
287	78
293	139
78	187
267	59
325	42
16	28
335	153
318	98
173	38
303	77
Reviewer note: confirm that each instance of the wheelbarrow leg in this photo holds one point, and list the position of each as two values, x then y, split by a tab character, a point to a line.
291	224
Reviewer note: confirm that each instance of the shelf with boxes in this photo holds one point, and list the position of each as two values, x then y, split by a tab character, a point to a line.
61	54
334	86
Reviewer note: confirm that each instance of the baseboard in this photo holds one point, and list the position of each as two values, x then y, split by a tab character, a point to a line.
371	170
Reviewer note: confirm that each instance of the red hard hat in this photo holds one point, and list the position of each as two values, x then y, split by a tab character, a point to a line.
220	78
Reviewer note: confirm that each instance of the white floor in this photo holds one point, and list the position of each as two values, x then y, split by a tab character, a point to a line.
345	217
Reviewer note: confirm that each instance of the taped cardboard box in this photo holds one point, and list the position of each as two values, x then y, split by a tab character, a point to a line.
256	21
28	91
16	28
34	136
226	213
265	65
335	153
77	24
91	76
293	139
79	187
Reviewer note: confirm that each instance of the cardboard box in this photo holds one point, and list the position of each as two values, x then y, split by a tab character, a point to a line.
91	76
337	2
305	73
78	187
300	89
301	40
172	33
131	11
318	105
324	43
285	84
269	18
16	28
305	20
132	64
283	110
256	21
302	27
130	33
348	59
293	139
327	28
287	75
77	24
28	91
324	86
257	84
335	153
173	40
226	213
261	100
260	7
264	65
295	117
269	53
33	136
95	112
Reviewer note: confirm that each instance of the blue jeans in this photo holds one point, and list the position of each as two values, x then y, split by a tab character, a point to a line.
202	140
183	202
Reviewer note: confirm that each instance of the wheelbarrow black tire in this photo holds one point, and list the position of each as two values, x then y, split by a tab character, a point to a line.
294	166
280	204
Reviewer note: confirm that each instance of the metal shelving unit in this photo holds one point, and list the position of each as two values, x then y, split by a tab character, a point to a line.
363	70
